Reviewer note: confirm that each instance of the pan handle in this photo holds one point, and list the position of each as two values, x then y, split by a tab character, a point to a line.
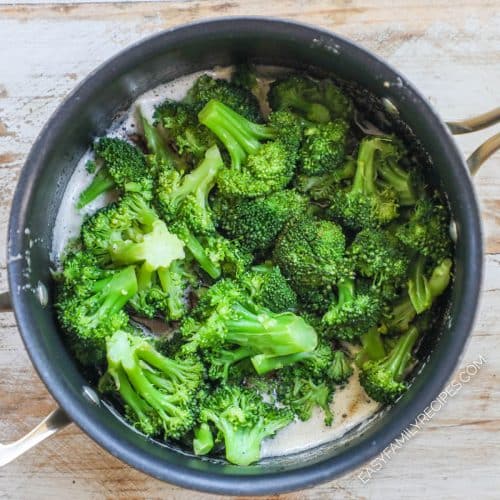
54	422
485	150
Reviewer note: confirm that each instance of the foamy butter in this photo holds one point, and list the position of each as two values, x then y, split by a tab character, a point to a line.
350	405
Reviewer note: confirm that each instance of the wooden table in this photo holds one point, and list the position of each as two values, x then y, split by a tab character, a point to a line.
449	49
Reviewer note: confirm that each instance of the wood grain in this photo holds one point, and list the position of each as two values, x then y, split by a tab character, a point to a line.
449	49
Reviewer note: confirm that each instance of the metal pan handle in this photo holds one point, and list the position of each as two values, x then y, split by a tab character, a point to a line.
485	150
51	424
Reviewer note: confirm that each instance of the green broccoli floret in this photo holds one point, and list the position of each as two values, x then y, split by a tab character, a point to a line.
158	393
256	222
182	129
310	253
391	174
353	312
319	102
123	166
269	288
185	197
244	420
365	204
322	187
234	96
225	315
378	254
261	163
382	379
323	148
90	304
422	290
299	389
427	230
341	369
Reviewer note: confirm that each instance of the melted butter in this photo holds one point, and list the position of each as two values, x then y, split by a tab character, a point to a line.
350	404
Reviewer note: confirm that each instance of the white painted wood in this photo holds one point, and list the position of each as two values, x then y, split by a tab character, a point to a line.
450	50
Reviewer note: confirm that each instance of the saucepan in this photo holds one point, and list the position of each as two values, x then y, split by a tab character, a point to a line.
89	111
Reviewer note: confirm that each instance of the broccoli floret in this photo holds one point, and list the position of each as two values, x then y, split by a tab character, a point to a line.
256	222
182	129
353	312
299	389
245	76
365	204
261	163
158	393
323	148
244	421
225	315
123	167
234	96
427	230
185	197
310	253
90	304
319	102
383	379
378	254
323	187
341	369
269	288
422	290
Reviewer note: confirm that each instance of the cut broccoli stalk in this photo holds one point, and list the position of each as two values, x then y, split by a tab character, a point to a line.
372	347
203	441
101	183
383	379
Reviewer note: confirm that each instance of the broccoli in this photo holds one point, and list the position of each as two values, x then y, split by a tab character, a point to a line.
244	420
372	347
90	304
234	96
365	204
422	290
245	76
188	137
382	379
185	197
256	222
299	389
158	393
341	369
203	440
427	230
261	162
123	167
225	315
318	102
310	253
401	313
379	255
353	312
269	288
323	148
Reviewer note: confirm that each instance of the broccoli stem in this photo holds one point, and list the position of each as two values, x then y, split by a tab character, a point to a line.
198	252
372	347
172	283
100	184
400	180
364	178
265	363
203	441
398	358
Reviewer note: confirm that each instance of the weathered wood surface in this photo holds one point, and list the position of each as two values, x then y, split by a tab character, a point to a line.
449	49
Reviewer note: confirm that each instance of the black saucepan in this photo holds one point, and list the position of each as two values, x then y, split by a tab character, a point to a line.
89	111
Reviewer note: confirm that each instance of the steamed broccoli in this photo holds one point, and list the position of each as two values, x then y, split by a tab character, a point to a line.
90	304
244	420
122	166
382	379
341	369
372	347
319	102
261	162
158	393
234	96
365	204
256	222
